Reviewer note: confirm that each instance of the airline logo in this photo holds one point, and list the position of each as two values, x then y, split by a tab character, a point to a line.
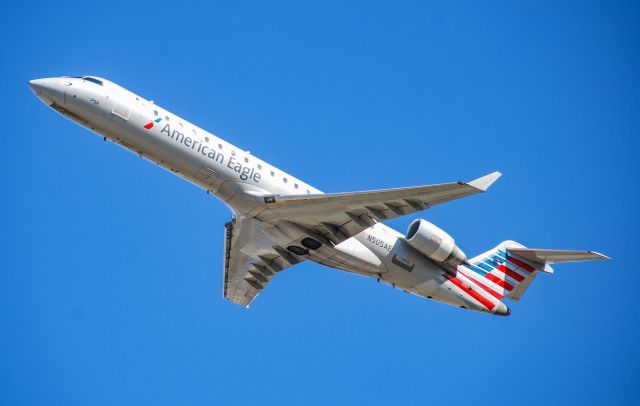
499	273
149	125
490	279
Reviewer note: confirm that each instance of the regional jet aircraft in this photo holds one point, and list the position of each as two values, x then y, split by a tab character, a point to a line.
279	220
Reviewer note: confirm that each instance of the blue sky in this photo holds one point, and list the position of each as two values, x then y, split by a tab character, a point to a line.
110	283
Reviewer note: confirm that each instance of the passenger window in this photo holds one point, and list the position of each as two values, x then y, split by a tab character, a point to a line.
155	112
295	185
166	118
284	180
219	146
273	173
308	192
246	160
206	139
259	167
233	153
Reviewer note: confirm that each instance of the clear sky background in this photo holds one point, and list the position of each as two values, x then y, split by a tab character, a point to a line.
111	269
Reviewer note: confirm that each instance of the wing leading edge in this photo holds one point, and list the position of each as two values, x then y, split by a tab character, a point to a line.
339	216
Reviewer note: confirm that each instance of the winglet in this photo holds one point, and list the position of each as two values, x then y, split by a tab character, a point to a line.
484	182
599	255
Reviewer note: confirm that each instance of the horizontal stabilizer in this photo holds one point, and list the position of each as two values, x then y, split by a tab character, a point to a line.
556	256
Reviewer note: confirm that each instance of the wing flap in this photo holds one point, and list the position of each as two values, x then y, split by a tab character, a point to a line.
251	260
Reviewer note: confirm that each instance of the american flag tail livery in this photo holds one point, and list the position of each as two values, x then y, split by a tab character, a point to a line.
508	269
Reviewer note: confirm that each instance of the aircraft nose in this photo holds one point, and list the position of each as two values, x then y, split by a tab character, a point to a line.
44	89
38	85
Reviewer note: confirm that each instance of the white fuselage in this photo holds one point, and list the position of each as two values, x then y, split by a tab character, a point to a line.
235	176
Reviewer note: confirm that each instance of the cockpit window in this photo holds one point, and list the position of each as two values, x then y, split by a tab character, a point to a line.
94	80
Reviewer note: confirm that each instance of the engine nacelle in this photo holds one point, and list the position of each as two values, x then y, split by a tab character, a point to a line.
431	241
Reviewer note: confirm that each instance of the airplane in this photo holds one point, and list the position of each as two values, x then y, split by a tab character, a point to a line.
279	220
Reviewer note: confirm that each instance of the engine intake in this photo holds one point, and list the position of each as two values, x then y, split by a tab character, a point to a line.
431	241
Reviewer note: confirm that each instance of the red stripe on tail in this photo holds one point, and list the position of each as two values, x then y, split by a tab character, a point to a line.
477	296
483	286
499	281
502	268
520	264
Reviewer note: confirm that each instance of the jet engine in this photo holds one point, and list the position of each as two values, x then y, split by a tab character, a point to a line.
431	241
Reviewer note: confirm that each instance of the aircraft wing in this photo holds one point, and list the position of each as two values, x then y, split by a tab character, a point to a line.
339	216
251	260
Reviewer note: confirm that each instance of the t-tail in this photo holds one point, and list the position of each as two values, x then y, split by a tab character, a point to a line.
508	269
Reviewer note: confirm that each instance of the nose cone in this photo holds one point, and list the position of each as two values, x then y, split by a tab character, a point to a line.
502	310
37	85
45	89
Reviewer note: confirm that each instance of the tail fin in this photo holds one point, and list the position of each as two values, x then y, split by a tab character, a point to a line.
508	269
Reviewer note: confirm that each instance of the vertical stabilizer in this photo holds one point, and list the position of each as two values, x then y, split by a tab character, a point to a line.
501	272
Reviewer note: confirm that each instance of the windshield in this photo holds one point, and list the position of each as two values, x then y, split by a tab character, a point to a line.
93	80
